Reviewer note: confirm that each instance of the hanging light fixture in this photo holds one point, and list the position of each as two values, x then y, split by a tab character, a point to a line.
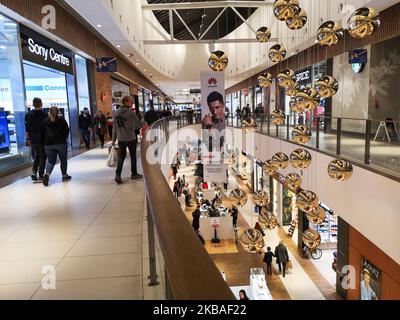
311	238
316	216
267	219
265	80
292	91
307	98
293	182
298	21
280	160
340	170
286	9
252	240
294	106
238	197
277	53
269	167
278	117
326	86
300	159
329	34
261	198
307	200
363	22
286	78
263	34
301	134
249	125
218	61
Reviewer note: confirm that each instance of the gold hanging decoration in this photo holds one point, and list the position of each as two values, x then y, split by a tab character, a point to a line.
261	198
300	159
286	78
238	197
311	238
269	167
267	219
218	61
363	22
265	80
292	91
286	9
329	34
340	170
307	98
277	53
298	21
293	182
301	134
252	240
294	106
326	86
307	200
278	117
249	125
263	34
317	215
280	160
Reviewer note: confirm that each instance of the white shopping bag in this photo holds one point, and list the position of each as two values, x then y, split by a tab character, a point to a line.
112	160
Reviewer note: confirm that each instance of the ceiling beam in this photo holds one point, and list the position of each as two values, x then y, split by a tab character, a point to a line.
206	5
244	20
158	42
184	23
212	23
171	24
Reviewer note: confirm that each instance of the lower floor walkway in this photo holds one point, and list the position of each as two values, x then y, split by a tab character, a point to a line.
90	231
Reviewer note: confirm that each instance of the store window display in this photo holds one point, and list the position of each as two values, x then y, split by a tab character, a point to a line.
12	100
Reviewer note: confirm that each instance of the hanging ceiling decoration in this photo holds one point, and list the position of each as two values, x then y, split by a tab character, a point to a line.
329	34
263	34
311	238
286	9
300	159
293	182
363	22
277	53
301	134
218	61
294	106
265	80
238	197
307	98
307	201
292	91
269	167
286	78
340	170
316	216
326	86
252	240
280	160
261	198
267	220
298	21
278	117
249	125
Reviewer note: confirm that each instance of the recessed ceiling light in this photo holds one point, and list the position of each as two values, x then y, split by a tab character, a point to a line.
118	46
99	26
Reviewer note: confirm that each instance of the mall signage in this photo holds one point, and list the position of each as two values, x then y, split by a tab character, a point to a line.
108	64
43	51
304	75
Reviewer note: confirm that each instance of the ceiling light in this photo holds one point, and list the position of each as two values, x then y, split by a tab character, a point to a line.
99	26
144	70
118	46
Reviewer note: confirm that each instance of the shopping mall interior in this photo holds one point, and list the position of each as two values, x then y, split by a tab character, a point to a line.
267	143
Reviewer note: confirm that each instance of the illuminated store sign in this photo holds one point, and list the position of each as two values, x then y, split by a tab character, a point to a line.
43	51
304	75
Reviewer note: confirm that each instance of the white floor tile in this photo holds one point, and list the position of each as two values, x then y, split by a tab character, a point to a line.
48	221
113	230
47	234
106	218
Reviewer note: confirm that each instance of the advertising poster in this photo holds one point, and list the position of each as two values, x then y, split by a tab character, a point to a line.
370	286
213	126
4	135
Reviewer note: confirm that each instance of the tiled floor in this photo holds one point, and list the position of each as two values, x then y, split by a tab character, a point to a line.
91	230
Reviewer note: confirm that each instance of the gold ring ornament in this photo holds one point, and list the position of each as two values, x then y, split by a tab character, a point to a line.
329	34
277	53
293	182
267	219
265	80
238	197
316	216
252	240
363	22
340	170
278	117
308	98
298	21
280	160
301	134
311	238
307	200
286	9
326	86
286	78
261	198
269	167
300	159
263	34
218	61
249	125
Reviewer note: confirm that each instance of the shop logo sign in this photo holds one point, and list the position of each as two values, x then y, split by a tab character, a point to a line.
47	53
302	76
212	82
49	20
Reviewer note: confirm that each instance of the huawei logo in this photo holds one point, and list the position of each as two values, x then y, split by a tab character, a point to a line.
212	82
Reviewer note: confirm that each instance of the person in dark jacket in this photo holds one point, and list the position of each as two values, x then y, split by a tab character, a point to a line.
34	138
282	257
110	124
100	125
196	219
234	215
176	189
55	132
85	125
174	170
126	123
268	260
151	116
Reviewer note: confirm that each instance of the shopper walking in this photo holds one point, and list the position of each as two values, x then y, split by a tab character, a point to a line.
176	189
234	215
151	116
110	123
196	219
126	123
85	126
100	125
282	257
174	168
55	132
268	260
34	138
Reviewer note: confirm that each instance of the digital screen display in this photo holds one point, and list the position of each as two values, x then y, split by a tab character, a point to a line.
4	134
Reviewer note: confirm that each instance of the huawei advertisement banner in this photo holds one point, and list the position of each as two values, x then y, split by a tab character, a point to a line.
213	125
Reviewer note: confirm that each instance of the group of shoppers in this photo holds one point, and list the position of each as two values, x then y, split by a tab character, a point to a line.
99	123
46	134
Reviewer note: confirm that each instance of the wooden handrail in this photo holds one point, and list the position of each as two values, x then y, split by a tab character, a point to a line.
191	272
